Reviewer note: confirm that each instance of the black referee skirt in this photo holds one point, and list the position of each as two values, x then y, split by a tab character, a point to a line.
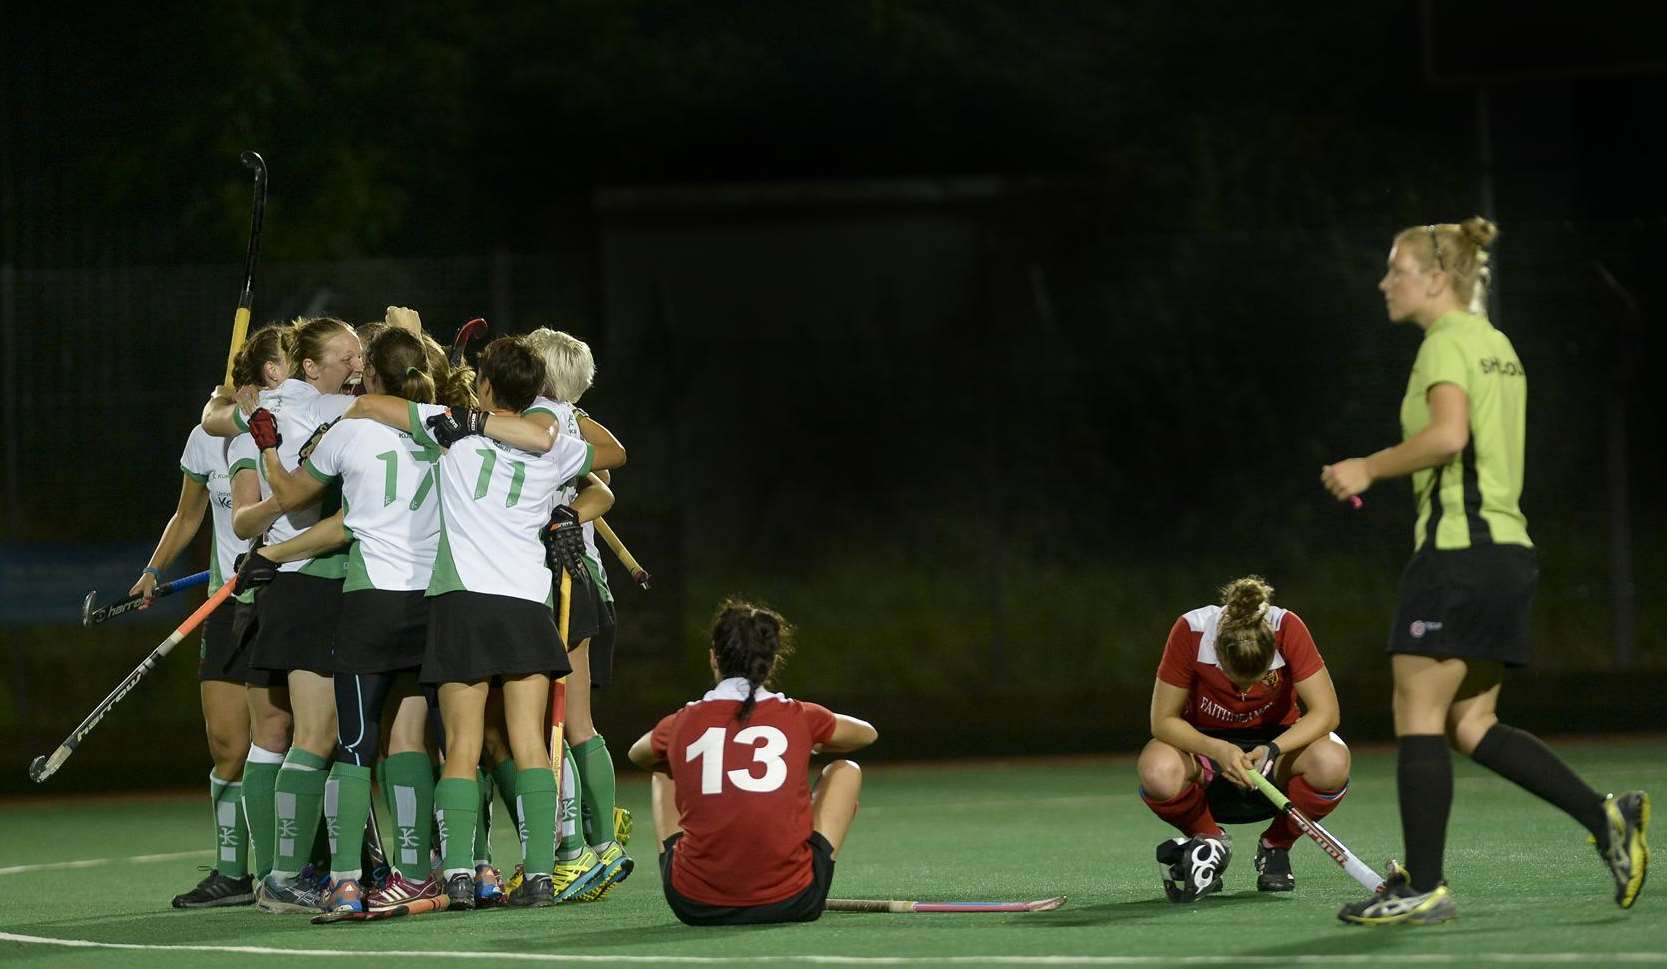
474	636
1468	603
297	616
602	647
381	631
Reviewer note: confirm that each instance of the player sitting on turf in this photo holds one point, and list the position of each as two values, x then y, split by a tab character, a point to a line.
742	839
1241	688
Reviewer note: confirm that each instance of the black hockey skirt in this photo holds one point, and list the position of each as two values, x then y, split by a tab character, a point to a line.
224	655
474	636
297	624
584	615
1469	603
381	631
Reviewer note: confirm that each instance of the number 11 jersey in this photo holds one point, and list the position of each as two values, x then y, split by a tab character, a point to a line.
743	794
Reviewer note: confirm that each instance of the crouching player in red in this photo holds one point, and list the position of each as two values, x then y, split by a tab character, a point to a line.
1241	688
742	838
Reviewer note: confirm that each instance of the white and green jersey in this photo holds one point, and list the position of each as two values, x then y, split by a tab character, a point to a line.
300	410
566	416
241	455
387	489
494	502
207	461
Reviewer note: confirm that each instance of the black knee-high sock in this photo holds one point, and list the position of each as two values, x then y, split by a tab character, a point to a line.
1424	773
1520	757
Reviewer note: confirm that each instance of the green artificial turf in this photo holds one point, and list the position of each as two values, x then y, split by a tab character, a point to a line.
1528	886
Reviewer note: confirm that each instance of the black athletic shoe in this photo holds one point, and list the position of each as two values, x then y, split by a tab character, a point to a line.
216	890
534	892
1273	869
460	892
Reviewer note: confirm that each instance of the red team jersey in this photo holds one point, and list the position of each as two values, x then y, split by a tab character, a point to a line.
743	794
1189	662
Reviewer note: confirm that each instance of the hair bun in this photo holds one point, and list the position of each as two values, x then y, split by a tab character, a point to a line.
1480	230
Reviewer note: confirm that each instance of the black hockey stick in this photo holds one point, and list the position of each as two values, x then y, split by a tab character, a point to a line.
240	322
92	616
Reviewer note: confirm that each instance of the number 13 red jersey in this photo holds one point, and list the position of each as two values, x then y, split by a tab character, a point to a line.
743	794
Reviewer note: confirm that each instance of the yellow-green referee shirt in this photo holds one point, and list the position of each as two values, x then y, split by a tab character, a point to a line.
1472	499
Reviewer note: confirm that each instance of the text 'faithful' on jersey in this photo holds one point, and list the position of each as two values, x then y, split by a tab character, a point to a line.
1190	662
743	794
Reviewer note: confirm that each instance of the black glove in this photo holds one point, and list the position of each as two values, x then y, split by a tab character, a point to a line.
254	570
263	426
564	544
454	425
312	442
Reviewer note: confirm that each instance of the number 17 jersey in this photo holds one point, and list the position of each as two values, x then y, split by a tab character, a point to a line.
743	794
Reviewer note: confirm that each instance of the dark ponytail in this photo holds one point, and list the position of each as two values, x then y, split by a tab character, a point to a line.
750	641
401	363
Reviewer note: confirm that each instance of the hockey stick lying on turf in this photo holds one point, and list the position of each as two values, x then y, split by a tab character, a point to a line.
421	906
624	555
43	767
899	906
91	616
1339	852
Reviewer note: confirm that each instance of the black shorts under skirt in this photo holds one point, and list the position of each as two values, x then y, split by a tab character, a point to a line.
297	628
474	636
225	655
602	648
381	631
583	616
1469	603
1230	803
806	906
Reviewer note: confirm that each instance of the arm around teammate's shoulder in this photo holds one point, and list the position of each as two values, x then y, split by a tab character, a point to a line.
609	452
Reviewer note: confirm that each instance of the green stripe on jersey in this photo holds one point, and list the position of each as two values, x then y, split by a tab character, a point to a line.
194	476
318	475
419	431
1473	499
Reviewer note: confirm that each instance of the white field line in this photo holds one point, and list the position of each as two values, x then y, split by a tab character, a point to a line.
95	862
1316	959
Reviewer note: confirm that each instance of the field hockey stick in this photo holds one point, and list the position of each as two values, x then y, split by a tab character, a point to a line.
43	767
558	692
240	321
460	343
897	906
91	616
1339	852
421	906
624	555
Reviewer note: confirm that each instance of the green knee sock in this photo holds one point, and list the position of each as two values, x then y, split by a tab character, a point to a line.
503	778
260	779
483	823
298	802
570	835
596	785
346	806
409	789
536	791
456	802
230	833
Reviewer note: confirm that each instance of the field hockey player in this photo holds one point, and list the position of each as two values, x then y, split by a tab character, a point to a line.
1241	687
742	838
490	619
570	370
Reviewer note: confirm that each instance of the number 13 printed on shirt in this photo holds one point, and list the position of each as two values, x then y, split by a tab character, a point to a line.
767	743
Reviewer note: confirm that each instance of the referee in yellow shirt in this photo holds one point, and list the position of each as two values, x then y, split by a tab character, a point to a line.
1464	597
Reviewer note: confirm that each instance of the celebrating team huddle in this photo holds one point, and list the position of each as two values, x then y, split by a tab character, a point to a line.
412	540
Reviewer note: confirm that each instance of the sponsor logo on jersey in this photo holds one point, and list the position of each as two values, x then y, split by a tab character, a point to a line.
1421	626
1216	711
1509	368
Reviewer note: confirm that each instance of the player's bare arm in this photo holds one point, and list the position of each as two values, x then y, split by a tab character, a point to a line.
322	537
1435	445
849	734
1321	715
1169	703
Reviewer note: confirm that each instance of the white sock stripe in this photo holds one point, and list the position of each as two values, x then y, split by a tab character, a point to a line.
260	755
